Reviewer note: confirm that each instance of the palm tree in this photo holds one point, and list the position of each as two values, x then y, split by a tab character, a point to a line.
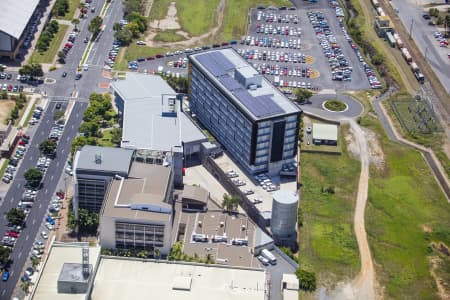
25	286
230	203
35	262
209	259
75	22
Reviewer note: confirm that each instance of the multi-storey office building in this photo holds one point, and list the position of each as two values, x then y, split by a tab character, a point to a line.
137	212
254	121
94	167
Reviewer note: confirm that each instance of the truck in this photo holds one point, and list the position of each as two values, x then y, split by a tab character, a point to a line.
419	76
276	81
270	257
414	67
406	55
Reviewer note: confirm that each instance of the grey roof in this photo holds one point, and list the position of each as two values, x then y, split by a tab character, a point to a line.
15	14
285	196
325	132
261	238
113	160
266	101
144	124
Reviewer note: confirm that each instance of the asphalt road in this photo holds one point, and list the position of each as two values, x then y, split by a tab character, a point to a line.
410	13
61	90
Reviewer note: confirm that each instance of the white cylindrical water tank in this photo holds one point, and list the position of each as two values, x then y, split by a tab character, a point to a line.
284	213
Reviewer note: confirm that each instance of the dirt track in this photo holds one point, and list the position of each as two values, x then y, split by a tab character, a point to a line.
191	40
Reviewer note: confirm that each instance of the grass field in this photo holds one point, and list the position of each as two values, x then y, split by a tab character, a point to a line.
194	19
4	166
168	36
133	52
48	56
406	211
327	242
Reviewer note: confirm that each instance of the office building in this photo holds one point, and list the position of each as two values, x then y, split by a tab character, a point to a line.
15	17
154	123
254	121
137	212
94	168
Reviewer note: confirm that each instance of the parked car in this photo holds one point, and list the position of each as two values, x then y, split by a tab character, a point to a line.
5	276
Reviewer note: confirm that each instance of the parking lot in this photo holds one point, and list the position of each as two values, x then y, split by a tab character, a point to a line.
293	48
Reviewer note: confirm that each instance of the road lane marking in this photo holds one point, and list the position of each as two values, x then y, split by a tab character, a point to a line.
51	177
19	255
40	205
12	200
34	221
57	163
27	237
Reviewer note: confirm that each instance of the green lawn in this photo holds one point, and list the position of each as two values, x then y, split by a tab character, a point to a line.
3	168
73	6
48	56
194	19
105	141
168	36
406	212
327	242
133	52
30	114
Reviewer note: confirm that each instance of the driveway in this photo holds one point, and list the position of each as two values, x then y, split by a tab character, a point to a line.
354	110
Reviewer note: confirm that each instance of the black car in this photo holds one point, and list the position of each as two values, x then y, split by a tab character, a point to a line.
14	162
78	76
9	76
426	16
58	105
64	74
206	47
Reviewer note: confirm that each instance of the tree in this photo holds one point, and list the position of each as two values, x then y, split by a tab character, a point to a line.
33	177
61	57
88	221
16	216
377	59
176	251
230	203
302	95
124	35
95	25
25	286
133	28
48	147
75	22
90	129
209	259
5	252
35	262
116	136
307	280
143	254
117	27
32	70
138	19
131	6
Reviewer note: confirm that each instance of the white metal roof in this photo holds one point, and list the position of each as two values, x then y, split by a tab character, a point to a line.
15	14
325	132
144	125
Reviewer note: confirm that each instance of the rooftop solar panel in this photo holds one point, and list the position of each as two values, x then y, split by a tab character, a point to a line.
216	63
261	106
230	83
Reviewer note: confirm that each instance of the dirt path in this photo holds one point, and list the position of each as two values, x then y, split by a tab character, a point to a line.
363	285
190	40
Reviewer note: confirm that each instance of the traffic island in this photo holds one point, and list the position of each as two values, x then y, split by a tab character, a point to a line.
334	105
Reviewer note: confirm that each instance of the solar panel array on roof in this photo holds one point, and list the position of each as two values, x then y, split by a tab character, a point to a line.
216	63
230	83
261	106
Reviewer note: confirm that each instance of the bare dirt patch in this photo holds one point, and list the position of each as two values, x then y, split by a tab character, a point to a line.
442	286
5	109
171	22
376	154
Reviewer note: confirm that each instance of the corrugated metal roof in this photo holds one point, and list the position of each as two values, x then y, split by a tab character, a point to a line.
15	14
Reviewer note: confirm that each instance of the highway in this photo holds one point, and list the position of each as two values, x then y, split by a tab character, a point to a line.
63	88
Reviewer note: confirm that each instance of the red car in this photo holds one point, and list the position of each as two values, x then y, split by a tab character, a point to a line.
22	143
60	195
13	234
159	55
68	45
150	58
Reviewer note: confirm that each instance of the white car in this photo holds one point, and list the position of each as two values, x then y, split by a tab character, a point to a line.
263	260
44	235
141	43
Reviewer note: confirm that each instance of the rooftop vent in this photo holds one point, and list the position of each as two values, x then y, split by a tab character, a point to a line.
98	159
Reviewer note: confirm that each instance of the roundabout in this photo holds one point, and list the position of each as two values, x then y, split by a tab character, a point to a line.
334	105
342	106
